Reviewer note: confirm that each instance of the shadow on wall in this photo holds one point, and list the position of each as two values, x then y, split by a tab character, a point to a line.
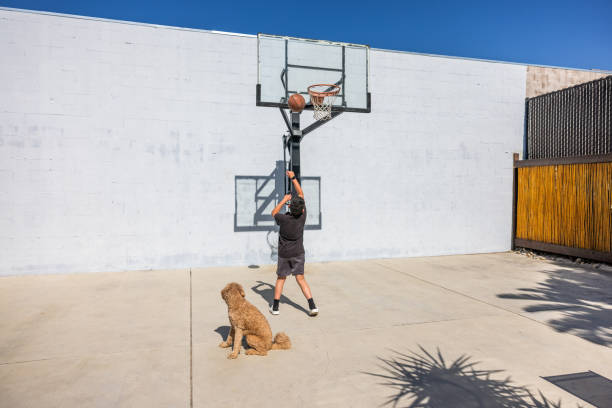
582	298
256	197
429	380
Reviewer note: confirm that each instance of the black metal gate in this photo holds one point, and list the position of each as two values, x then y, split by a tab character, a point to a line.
576	121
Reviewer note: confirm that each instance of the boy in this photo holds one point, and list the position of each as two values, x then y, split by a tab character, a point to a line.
291	246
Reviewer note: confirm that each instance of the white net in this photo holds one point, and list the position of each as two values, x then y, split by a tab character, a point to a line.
322	111
322	100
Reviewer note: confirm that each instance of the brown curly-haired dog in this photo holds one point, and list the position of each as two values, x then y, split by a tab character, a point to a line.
247	321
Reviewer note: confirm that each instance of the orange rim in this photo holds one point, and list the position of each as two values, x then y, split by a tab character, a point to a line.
324	93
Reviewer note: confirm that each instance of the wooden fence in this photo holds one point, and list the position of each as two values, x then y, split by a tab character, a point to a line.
564	206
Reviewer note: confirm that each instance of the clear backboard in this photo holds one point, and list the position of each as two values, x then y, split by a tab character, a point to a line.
288	65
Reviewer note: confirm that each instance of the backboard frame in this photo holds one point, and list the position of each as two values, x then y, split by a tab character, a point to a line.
284	72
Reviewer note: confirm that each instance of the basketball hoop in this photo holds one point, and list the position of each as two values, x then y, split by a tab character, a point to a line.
322	97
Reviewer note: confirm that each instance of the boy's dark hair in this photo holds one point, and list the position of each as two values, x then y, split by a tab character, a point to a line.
297	206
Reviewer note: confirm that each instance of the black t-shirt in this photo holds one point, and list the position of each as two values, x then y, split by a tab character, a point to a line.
291	234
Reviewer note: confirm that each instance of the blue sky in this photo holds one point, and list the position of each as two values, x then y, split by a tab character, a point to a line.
573	34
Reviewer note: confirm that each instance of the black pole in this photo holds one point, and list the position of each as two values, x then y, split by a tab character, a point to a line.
526	131
294	164
292	142
515	158
283	175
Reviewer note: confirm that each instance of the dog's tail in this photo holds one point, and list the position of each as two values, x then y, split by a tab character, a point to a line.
281	342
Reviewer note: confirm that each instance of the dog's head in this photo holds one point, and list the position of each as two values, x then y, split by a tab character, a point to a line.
231	291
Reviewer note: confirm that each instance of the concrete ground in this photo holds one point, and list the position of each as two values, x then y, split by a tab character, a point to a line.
149	339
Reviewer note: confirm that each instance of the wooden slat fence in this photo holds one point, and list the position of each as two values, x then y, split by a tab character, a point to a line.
565	206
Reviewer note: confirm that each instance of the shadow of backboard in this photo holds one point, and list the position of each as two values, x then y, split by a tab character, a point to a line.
256	197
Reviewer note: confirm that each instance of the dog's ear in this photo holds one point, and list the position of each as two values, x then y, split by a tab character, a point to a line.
241	290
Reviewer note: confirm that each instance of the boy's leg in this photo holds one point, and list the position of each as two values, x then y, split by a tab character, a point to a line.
278	291
306	291
303	285
278	288
282	270
297	269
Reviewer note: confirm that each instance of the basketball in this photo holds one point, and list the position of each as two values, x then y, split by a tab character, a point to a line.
296	103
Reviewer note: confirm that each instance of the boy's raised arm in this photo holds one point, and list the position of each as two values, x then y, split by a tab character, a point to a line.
296	184
280	205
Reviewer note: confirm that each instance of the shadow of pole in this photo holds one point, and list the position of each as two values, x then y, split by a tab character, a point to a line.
266	291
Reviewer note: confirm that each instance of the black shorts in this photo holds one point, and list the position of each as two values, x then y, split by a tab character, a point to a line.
290	266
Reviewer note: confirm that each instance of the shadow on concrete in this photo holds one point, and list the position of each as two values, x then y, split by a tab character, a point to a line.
428	380
266	291
224	331
584	299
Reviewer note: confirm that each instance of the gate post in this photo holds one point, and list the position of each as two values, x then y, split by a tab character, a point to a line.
515	158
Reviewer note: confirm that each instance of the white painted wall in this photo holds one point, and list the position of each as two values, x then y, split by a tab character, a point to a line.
119	144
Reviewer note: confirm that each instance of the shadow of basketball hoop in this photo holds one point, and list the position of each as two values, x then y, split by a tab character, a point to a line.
256	197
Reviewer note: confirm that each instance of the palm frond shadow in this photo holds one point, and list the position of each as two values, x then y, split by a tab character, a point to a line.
583	300
427	380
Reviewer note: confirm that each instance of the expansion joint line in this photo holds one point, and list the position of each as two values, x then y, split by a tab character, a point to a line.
462	294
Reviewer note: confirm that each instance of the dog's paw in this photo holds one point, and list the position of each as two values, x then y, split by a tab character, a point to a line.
224	344
232	356
253	352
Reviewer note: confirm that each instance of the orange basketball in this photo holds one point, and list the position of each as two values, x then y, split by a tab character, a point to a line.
296	103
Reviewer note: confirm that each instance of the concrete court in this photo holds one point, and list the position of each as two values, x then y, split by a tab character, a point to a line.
123	339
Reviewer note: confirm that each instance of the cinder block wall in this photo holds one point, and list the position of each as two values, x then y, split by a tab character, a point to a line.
119	144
